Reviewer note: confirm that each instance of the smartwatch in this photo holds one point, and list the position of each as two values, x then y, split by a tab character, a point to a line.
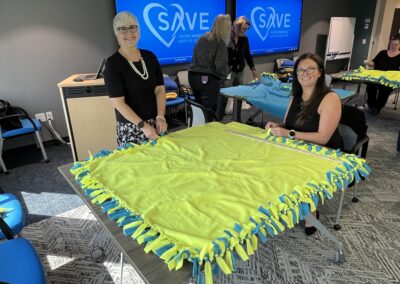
292	134
140	125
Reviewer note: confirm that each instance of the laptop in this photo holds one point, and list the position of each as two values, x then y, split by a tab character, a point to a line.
95	76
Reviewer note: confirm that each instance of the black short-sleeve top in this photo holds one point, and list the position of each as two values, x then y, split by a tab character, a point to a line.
383	62
122	81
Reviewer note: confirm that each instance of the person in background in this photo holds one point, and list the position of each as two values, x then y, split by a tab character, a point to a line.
209	67
385	60
238	54
313	112
239	51
135	85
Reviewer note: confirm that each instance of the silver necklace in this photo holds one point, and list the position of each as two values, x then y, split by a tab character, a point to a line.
145	74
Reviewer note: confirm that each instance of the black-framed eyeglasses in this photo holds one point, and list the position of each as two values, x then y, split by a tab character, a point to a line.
308	70
125	30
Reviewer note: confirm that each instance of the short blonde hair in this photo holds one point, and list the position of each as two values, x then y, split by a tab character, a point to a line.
239	23
124	18
220	28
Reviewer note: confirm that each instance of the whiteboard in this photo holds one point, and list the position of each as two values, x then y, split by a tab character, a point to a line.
341	35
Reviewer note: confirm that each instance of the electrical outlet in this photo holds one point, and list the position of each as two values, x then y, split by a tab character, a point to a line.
40	116
49	115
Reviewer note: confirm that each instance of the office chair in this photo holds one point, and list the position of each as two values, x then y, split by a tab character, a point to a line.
353	129
19	262
13	214
199	114
29	126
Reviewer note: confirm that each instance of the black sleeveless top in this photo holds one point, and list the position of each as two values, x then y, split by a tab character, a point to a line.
311	125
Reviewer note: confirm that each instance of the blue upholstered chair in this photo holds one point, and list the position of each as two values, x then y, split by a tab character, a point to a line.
19	262
14	215
29	126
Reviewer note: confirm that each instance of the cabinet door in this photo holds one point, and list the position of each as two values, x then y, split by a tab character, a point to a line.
92	125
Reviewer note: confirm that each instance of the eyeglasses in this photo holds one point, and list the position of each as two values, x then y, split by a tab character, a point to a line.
124	30
308	70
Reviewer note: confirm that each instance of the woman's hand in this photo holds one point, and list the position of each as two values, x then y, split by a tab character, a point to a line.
280	131
149	132
255	74
161	124
271	124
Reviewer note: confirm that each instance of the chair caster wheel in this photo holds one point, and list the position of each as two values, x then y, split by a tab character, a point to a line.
97	254
47	161
337	227
354	199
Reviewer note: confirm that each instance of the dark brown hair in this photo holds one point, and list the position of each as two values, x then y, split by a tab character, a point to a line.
320	90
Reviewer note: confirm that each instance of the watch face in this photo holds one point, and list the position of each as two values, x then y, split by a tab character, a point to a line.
141	124
292	133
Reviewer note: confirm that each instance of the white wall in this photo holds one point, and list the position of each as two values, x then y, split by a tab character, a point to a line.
44	41
383	25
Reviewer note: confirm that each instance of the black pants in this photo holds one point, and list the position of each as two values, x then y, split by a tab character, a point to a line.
206	92
377	96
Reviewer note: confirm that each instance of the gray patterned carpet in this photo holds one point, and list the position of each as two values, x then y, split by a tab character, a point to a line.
370	234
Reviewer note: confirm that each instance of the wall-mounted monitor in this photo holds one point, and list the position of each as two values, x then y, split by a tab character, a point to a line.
275	25
170	29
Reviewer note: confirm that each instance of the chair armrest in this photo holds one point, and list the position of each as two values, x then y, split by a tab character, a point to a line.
362	144
25	114
12	115
6	229
206	109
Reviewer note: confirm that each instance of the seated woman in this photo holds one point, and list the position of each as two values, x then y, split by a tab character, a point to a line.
385	60
313	112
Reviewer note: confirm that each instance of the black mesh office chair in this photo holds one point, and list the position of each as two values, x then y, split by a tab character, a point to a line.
353	129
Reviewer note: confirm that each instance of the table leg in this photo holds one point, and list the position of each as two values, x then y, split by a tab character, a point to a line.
121	267
339	256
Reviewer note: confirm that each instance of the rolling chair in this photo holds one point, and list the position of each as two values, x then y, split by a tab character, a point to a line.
19	262
198	114
353	129
29	126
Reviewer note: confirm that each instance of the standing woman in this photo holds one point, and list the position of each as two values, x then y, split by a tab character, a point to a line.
135	85
209	67
239	51
385	60
314	111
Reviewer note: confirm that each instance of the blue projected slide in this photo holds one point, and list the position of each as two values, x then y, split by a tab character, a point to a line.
275	25
170	29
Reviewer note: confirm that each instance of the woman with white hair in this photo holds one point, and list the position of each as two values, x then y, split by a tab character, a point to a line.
135	85
209	67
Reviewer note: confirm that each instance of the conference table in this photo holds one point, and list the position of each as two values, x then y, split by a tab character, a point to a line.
207	192
149	266
268	94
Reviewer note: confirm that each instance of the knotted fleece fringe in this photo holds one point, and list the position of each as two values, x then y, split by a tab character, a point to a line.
241	240
386	78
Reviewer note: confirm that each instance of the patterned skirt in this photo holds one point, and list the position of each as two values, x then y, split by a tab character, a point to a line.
128	132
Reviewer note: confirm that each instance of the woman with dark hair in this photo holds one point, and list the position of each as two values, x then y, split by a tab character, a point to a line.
385	60
314	111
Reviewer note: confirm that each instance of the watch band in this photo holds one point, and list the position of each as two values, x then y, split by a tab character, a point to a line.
140	125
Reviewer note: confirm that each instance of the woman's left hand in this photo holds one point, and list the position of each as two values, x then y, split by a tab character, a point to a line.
161	124
255	74
280	131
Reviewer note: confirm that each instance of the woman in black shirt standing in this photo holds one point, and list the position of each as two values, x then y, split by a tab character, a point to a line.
385	60
314	111
135	85
239	51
